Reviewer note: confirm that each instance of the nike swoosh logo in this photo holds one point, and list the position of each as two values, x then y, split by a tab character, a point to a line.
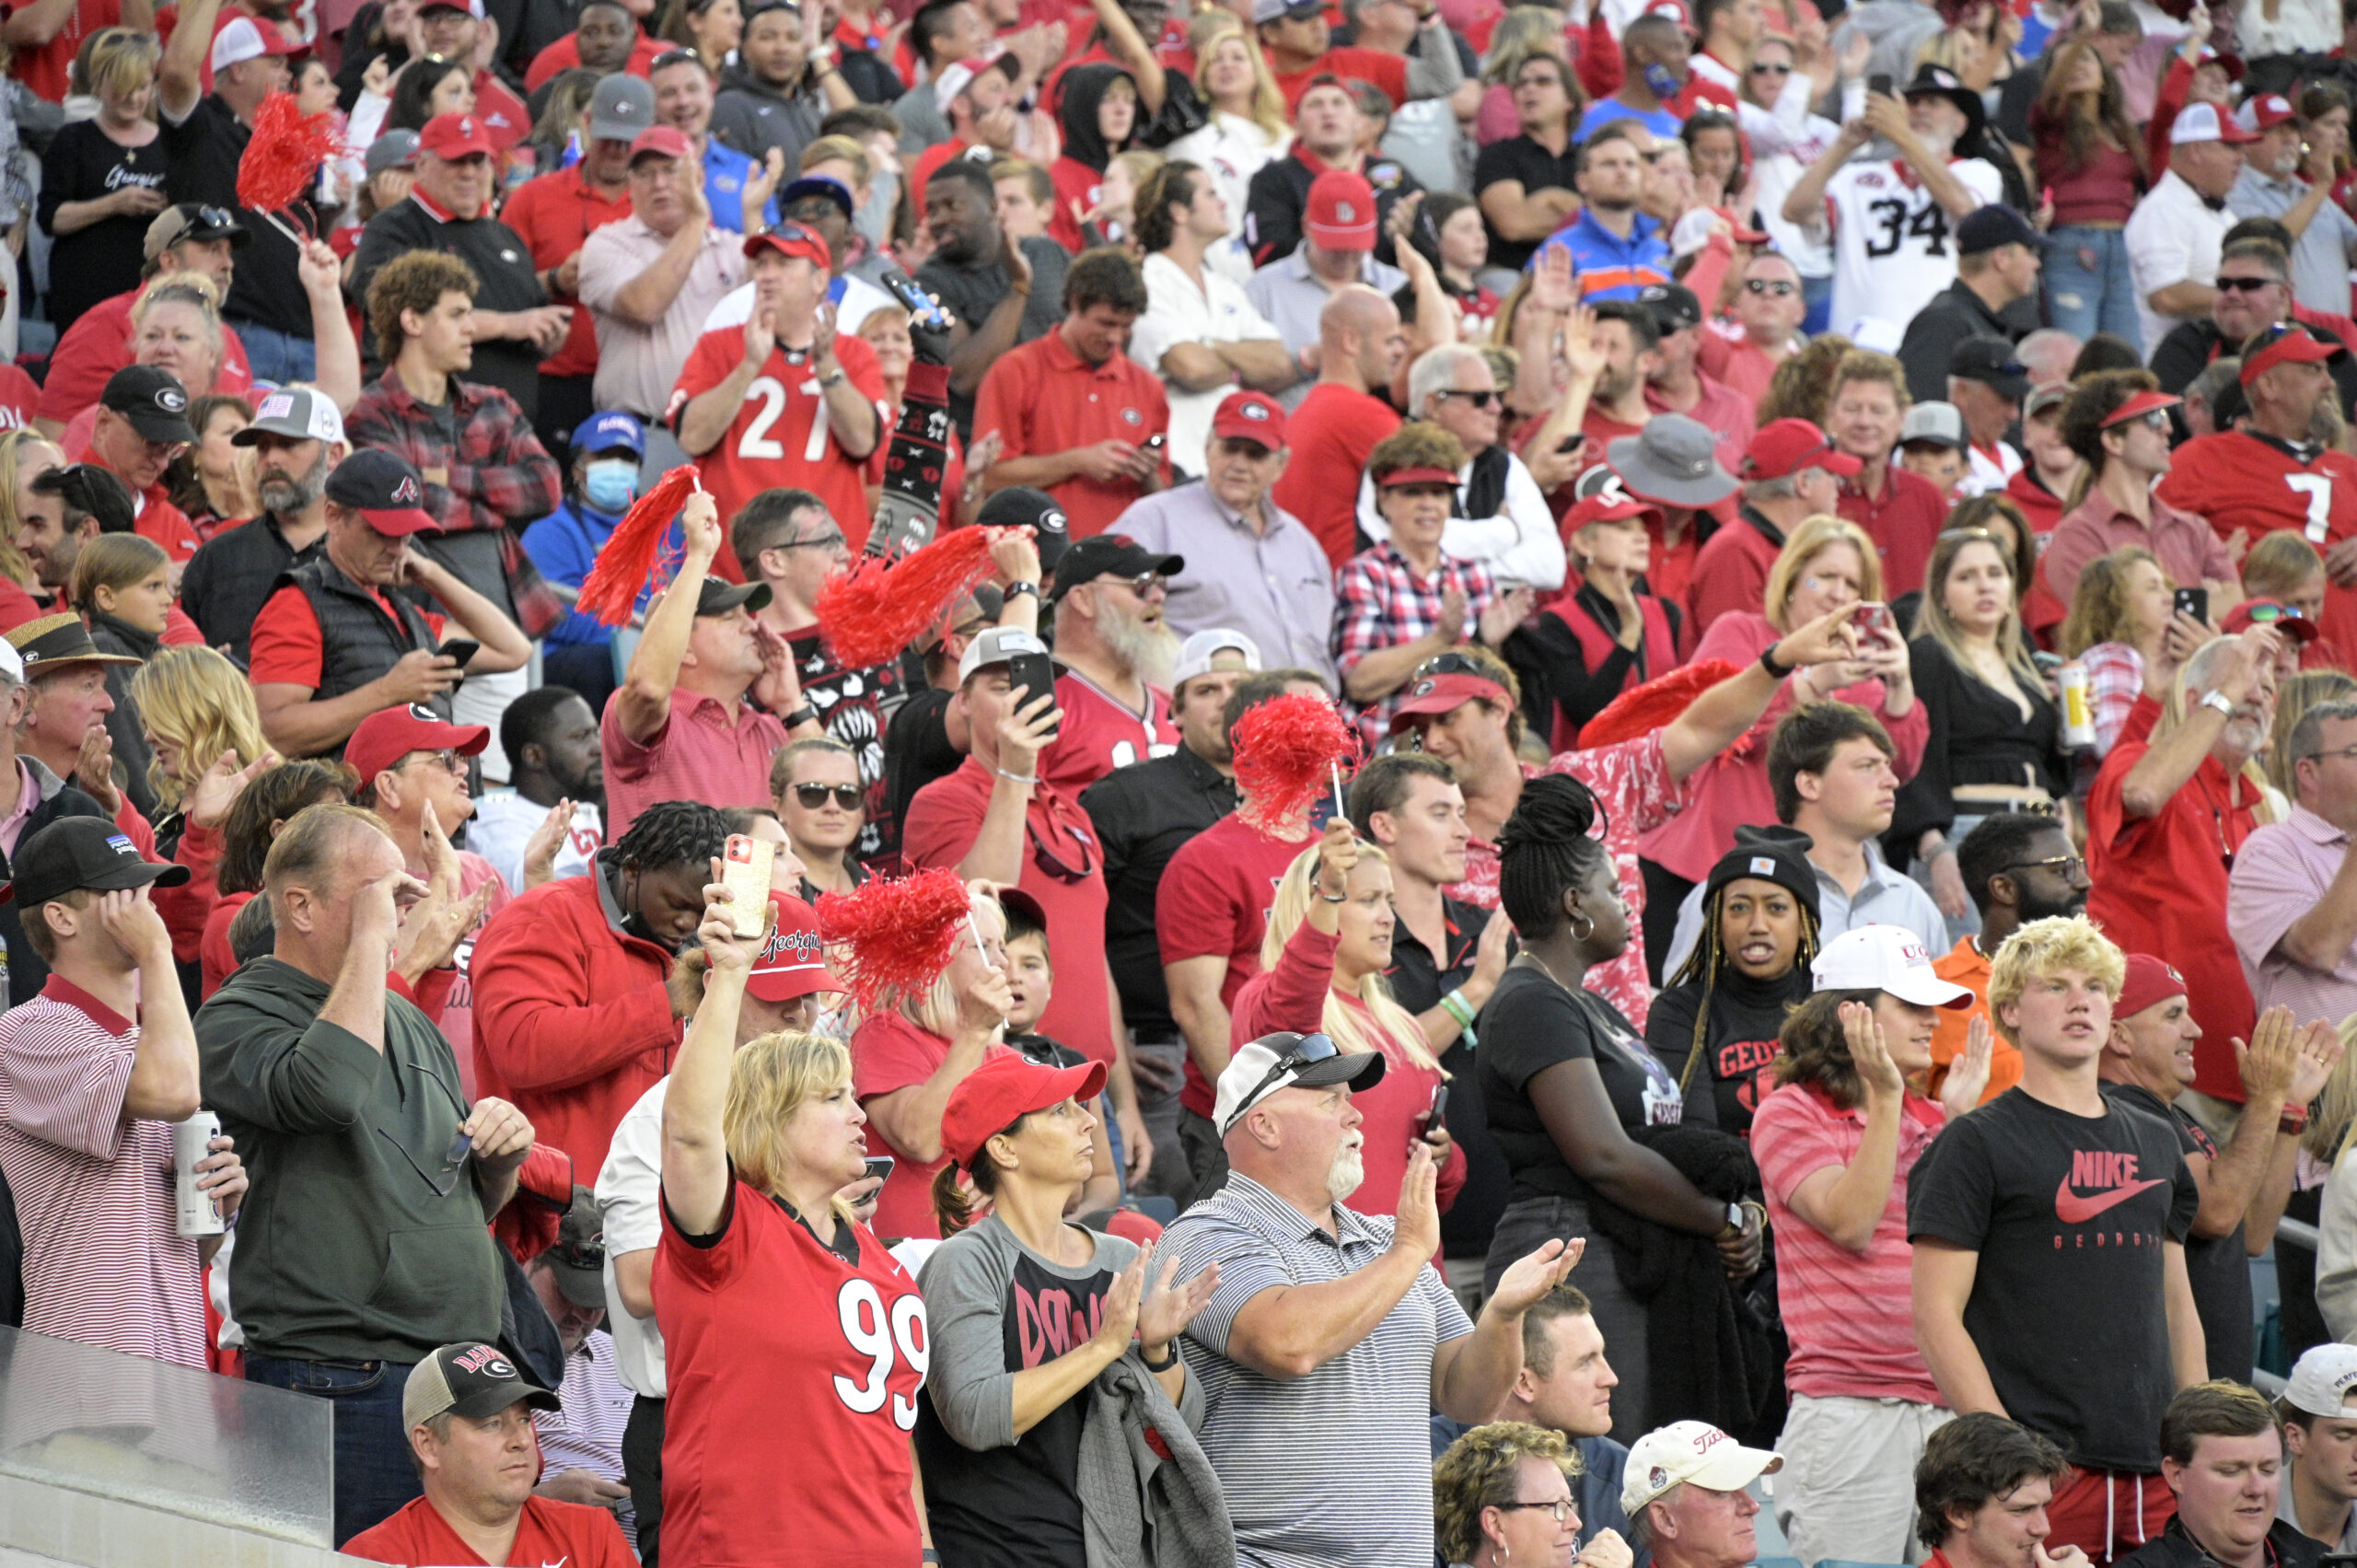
2072	1209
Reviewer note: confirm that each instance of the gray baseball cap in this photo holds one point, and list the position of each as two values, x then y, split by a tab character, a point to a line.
298	414
620	108
394	149
1936	425
1673	460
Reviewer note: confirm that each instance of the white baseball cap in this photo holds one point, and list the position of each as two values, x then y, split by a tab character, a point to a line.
1288	1061
2322	1380
996	646
243	40
2203	122
1884	957
1690	1452
1197	654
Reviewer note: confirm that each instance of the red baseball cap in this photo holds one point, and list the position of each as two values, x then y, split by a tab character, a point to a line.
1786	446
2270	612
1002	1088
1416	476
1432	695
452	136
2293	344
667	140
2265	112
789	239
2138	407
1250	416
1606	508
1342	211
2149	983
389	734
793	962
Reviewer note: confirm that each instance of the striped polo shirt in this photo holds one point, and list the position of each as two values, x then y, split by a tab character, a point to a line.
103	1262
1333	1469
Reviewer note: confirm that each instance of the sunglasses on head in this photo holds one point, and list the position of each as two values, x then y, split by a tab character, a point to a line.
1450	664
814	795
1313	1048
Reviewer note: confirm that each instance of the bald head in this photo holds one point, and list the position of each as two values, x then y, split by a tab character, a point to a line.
1359	339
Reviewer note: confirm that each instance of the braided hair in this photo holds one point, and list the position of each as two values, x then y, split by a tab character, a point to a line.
1709	958
673	832
1545	850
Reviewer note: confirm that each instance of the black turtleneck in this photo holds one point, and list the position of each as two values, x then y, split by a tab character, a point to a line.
1739	1042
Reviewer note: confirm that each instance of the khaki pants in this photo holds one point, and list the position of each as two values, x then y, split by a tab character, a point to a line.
1847	1491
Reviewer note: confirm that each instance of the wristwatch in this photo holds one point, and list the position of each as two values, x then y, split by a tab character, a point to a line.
2219	701
1735	1220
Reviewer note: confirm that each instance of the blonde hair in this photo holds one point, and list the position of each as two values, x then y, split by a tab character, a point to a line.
123	61
200	293
198	700
12	462
1805	543
1865	364
2333	1127
2294	698
1268	103
843	149
935	1012
2278	563
1343	1025
116	561
2178	703
2100	608
2040	949
770	1078
1933	619
1478	1474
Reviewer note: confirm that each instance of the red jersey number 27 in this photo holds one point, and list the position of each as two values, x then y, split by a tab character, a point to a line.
882	1337
2317	488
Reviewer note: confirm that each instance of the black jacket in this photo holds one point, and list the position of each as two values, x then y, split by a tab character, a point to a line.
1953	314
2175	1548
1143	815
232	575
1279	194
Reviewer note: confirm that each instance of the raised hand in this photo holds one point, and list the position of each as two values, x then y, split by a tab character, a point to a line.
209	801
983	1004
726	952
1451	630
1338	854
1416	1225
1870	1053
540	849
94	770
700	530
1120	1306
761	336
1531	1276
1967	1077
1605	1549
1168	1307
129	917
2320	1052
1024	733
1826	640
1503	613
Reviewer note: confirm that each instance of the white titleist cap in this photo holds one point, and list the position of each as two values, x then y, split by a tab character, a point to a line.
1691	1451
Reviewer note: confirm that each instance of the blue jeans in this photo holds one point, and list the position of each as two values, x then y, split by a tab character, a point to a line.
277	358
2088	287
374	1476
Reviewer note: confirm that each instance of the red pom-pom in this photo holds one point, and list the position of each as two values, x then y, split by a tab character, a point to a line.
1287	750
611	590
1641	711
871	612
903	934
287	148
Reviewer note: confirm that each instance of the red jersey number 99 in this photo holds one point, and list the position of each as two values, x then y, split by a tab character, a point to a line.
886	1337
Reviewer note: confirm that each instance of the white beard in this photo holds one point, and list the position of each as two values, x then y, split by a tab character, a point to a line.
1343	1176
1150	653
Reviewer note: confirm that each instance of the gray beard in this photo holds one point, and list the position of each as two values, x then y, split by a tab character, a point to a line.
288	496
1343	1176
1149	652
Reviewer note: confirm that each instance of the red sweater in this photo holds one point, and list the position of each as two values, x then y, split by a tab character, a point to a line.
571	1022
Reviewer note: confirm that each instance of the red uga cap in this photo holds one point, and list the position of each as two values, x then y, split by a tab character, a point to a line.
1342	211
2148	984
792	239
451	136
793	962
1785	446
1002	1088
1250	416
389	734
1442	693
2293	344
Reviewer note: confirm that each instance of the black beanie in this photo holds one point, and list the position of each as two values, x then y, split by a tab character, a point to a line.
1777	854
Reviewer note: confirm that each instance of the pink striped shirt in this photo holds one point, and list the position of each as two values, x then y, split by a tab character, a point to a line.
103	1263
1845	1312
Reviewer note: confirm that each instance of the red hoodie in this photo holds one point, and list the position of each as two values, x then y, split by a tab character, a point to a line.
571	1022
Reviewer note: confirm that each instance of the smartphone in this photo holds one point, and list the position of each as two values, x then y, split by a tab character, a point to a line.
2194	602
462	649
1879	84
1871	618
745	872
1031	675
880	1167
1439	1106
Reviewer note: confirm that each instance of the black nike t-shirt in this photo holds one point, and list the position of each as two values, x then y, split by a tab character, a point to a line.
2069	1214
2218	1267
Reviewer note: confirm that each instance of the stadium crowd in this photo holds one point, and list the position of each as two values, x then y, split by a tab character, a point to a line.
1816	545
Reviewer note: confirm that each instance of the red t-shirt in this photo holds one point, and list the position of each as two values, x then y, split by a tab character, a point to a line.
1903	522
1101	733
157	520
2245	484
46	70
554	217
793	1386
1735	363
2160	887
571	1533
1063	868
564	54
503	114
1331	436
890	1053
286	647
780	437
1213	900
1042	398
1371	66
96	344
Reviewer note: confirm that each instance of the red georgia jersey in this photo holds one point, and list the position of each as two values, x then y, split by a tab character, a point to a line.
2246	485
780	437
1098	734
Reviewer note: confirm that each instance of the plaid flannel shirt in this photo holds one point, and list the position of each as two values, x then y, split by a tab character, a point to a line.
1380	603
499	476
2114	680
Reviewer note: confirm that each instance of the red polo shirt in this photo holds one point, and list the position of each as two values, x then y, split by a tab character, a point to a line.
1331	436
1042	398
1903	521
701	753
1063	868
554	215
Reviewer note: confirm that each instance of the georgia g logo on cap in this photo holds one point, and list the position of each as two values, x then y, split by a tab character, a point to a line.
1345	212
1254	410
483	1359
407	491
1423	688
171	400
424	714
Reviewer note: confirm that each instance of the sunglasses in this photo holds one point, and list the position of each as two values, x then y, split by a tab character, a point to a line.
1766	68
1451	664
1478	399
2069	867
449	761
1782	288
1313	1048
814	795
1054	865
2245	286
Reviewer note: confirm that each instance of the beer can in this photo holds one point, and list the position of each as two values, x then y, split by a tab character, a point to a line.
2078	713
193	1212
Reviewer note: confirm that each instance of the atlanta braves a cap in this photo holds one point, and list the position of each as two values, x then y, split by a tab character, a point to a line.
382	487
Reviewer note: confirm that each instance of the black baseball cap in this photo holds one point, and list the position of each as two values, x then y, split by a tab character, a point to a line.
74	853
1108	555
1674	306
92	490
153	400
469	1379
1990	362
578	1259
718	596
1991	224
383	487
1022	506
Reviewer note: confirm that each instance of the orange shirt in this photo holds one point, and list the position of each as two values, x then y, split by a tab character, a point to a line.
1963	965
1043	398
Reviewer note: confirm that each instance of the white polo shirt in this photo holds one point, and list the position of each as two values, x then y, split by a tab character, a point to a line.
2172	237
1179	312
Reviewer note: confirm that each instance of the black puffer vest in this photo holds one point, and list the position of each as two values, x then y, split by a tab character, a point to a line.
358	642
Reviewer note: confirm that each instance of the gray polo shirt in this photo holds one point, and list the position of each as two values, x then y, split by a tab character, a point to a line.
2320	255
1362	1418
1289	297
1277	589
2285	1511
1885	898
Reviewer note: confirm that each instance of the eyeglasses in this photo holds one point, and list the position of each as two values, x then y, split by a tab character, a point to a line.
1561	1507
824	541
2245	286
1782	288
1313	1048
814	795
2069	867
2345	753
1142	584
1478	400
449	761
1767	68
